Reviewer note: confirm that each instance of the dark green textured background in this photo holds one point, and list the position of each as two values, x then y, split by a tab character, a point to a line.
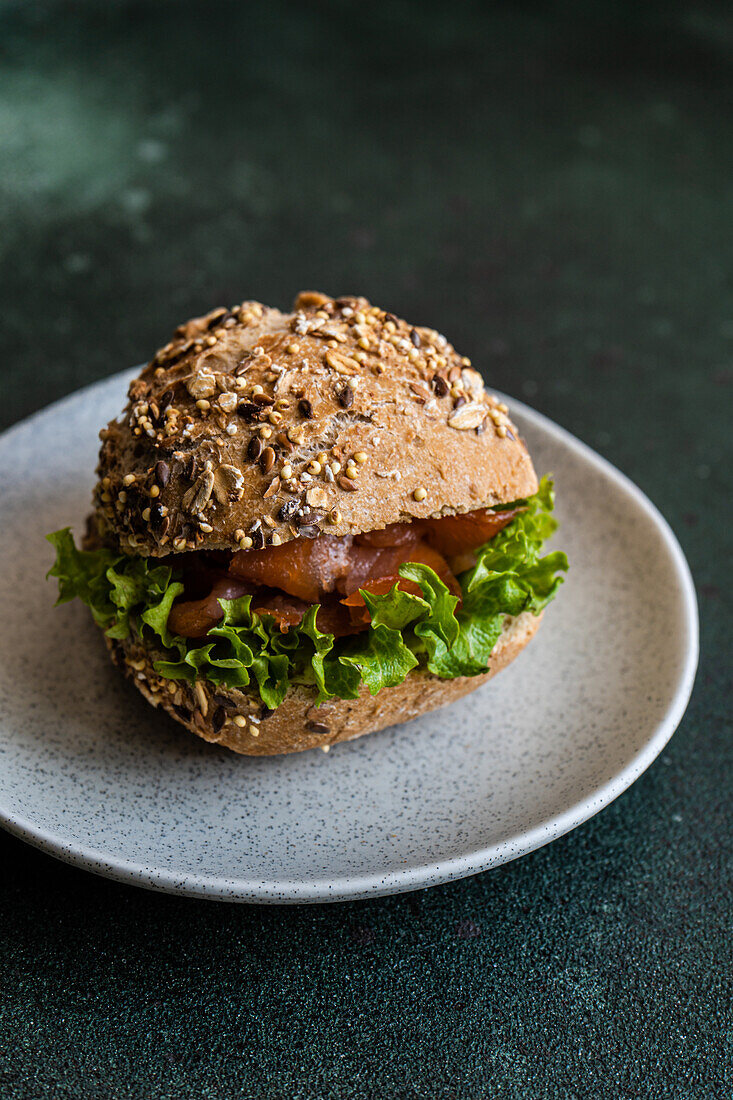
550	185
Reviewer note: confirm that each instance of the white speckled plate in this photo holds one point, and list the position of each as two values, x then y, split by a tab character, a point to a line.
95	776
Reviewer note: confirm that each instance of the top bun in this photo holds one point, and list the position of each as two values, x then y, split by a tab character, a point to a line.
253	427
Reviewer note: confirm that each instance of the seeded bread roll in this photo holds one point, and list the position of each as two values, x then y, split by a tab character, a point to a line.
237	720
253	427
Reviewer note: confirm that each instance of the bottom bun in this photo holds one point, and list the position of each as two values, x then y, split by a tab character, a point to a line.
239	721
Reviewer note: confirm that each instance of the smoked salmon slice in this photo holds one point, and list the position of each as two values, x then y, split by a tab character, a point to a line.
285	580
305	568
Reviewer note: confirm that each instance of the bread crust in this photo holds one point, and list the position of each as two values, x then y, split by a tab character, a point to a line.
253	427
213	713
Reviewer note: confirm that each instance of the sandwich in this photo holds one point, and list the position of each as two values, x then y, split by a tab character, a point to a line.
309	526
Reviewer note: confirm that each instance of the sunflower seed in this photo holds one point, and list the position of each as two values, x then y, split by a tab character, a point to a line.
199	494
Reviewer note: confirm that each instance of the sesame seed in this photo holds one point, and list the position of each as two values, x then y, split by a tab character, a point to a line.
420	494
335	468
275	540
206	528
363	343
286	472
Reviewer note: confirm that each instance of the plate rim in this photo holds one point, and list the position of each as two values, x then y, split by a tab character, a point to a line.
357	887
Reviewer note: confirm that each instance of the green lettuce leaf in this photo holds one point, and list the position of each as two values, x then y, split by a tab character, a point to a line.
448	636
